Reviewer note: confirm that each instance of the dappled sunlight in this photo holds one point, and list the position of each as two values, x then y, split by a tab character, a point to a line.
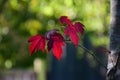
32	26
38	65
8	64
40	69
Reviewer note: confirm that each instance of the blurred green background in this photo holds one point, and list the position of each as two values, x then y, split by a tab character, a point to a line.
21	19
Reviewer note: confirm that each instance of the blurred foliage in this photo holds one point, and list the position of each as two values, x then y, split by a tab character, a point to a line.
20	19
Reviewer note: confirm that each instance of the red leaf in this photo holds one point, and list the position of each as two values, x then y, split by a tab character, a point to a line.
72	30
79	27
64	19
55	43
37	42
50	33
57	49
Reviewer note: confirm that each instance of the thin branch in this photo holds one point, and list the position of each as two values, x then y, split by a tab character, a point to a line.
91	53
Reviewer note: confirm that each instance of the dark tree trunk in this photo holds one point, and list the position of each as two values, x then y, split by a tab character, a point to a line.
113	61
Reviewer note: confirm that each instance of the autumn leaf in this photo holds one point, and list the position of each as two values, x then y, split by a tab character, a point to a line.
55	40
65	20
50	33
79	27
57	49
72	30
37	42
48	36
55	43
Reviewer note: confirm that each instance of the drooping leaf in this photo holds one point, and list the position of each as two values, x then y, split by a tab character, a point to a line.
57	49
37	42
55	43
